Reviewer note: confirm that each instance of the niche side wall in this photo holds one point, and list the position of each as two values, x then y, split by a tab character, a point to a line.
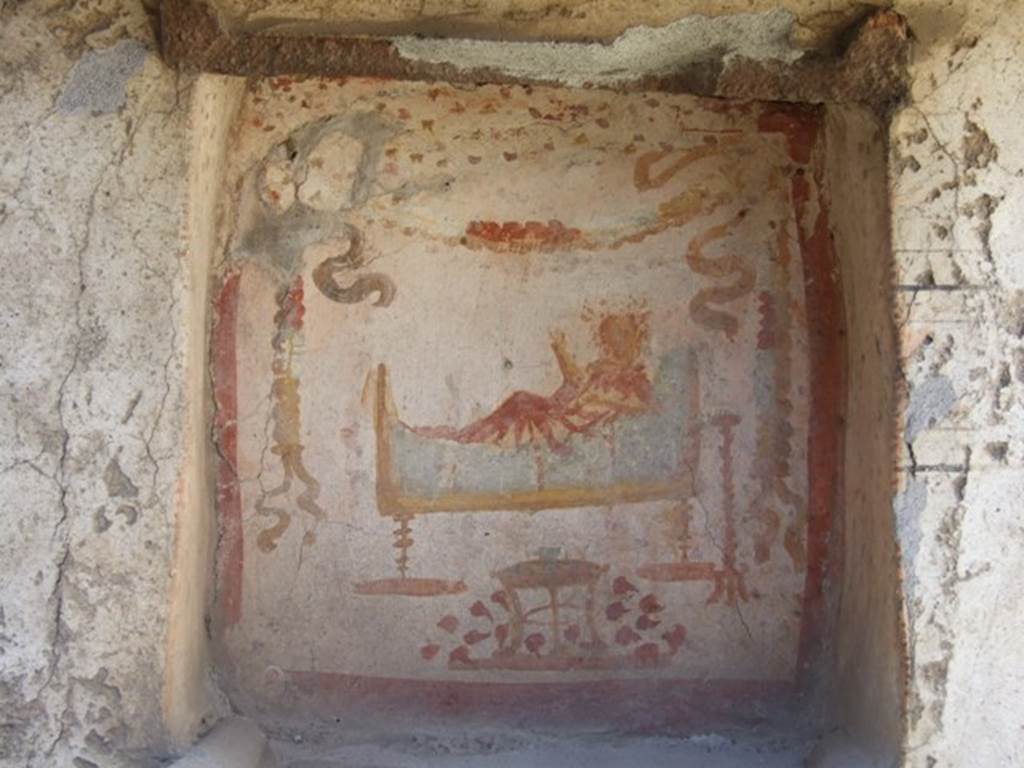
191	701
868	688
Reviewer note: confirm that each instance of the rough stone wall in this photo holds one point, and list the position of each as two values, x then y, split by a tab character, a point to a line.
734	55
92	180
957	162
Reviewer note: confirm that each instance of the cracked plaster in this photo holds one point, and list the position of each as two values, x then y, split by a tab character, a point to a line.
91	189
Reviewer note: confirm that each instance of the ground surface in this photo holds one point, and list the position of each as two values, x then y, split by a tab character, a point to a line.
513	750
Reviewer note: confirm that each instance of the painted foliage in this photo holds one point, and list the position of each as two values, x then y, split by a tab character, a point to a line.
515	385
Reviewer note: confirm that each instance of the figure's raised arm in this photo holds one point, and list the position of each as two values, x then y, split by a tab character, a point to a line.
566	364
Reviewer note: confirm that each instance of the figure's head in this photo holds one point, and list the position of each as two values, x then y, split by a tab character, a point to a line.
622	336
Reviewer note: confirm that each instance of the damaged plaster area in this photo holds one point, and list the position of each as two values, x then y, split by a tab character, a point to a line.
97	82
639	52
957	164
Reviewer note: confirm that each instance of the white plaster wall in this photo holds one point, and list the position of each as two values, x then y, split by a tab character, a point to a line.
93	162
957	180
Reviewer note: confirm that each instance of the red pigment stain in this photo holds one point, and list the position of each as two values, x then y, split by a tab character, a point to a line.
520	237
799	124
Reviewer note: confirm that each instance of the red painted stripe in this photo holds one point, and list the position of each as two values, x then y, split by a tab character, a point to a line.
638	705
224	361
801	126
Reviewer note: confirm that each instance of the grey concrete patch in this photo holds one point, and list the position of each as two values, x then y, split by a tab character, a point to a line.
97	82
908	507
637	52
930	402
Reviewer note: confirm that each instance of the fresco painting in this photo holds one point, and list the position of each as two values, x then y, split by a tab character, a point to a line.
516	385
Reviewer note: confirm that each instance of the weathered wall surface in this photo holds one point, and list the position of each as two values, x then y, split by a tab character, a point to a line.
815	22
92	294
957	162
